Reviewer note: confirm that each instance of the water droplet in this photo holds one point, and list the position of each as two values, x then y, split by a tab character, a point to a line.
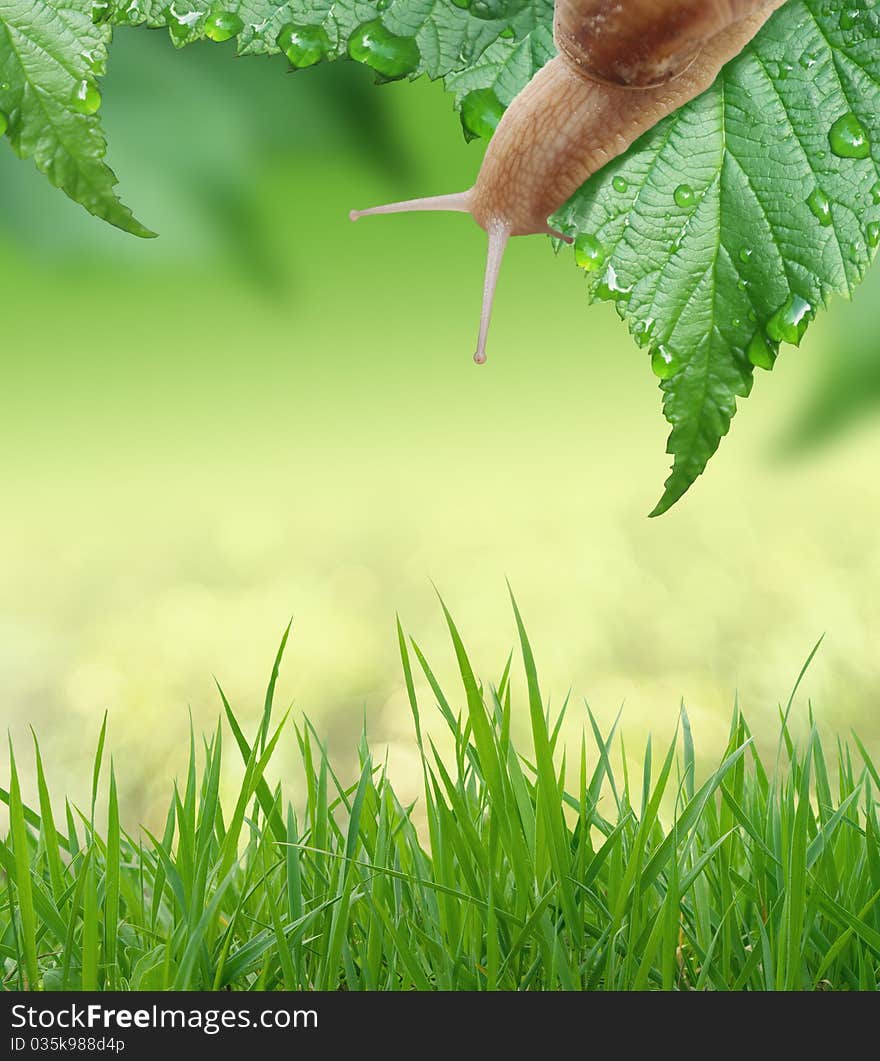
181	24
589	253
101	11
383	51
620	185
874	235
4	123
481	111
808	60
462	3
86	99
609	288
790	322
875	193
820	206
495	10
303	45
849	18
222	26
508	33
745	255
761	353
848	138
643	330
664	363
93	60
133	13
383	5
685	196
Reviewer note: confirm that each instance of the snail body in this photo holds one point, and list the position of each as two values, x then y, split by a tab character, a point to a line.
623	65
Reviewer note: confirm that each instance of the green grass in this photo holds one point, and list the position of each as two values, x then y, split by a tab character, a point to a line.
532	869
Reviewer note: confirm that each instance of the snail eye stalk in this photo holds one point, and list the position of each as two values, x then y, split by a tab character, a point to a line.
498	237
457	202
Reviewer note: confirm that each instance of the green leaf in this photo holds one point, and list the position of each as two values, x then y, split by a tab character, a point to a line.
700	282
506	67
51	57
447	37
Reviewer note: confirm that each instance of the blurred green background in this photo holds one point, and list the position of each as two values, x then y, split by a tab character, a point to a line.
270	412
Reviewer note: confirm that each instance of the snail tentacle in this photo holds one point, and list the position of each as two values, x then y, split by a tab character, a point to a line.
456	202
499	234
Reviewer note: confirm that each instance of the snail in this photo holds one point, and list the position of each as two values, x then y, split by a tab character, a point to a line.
623	65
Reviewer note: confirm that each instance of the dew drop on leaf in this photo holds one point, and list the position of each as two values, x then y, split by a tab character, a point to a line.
848	138
4	123
874	235
481	111
820	206
101	11
875	193
620	185
86	99
760	352
494	10
664	363
383	51
849	18
133	13
745	255
684	196
94	61
790	322
609	288
181	25
589	253
643	330
222	26
303	45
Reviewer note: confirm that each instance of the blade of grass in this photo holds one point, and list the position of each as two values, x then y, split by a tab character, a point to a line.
23	891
